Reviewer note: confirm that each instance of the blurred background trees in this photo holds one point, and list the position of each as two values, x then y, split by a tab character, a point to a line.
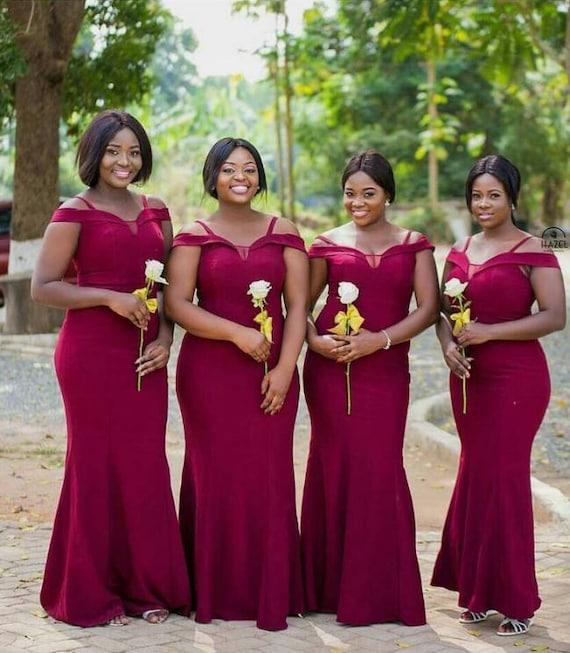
432	84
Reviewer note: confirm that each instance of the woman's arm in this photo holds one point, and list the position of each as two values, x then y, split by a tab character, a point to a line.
157	352
182	272
58	246
325	345
548	287
427	309
296	297
452	354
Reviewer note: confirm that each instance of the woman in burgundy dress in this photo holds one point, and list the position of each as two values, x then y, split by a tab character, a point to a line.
487	549
116	548
357	523
238	390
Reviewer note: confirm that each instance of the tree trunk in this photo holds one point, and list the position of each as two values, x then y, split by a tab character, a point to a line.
46	32
552	211
278	140
433	171
288	120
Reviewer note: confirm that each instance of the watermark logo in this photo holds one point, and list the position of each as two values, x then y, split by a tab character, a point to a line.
554	238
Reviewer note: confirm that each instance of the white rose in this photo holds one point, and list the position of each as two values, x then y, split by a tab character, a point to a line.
454	287
347	292
153	270
259	289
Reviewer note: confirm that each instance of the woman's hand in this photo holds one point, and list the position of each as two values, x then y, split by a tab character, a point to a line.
473	333
456	361
274	389
253	343
325	345
155	356
351	348
131	307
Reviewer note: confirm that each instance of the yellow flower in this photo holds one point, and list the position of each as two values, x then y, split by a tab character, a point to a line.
152	272
454	290
348	322
265	324
460	319
259	291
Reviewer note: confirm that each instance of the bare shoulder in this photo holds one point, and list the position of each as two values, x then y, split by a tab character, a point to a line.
415	236
73	203
532	245
285	226
193	228
460	244
155	202
335	234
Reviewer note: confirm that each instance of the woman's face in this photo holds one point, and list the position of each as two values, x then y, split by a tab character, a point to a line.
121	160
364	200
238	179
490	204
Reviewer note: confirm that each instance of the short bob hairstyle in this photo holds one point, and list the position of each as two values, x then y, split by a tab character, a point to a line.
219	153
97	136
376	167
502	169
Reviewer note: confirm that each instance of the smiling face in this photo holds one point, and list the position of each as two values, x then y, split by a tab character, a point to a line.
238	179
121	160
364	200
490	203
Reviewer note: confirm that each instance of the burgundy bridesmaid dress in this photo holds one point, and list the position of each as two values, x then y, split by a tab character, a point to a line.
487	549
237	500
357	521
115	547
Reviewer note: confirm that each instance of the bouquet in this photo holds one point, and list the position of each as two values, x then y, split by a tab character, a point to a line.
259	291
347	322
454	290
152	272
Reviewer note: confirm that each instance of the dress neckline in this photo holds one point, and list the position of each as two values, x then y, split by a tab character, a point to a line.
92	207
511	250
238	246
373	259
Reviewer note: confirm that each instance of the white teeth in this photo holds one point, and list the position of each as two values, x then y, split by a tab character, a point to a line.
240	189
359	214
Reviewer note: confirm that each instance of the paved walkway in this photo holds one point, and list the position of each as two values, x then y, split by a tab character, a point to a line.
430	464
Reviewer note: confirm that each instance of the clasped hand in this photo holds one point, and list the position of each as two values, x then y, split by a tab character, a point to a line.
346	349
155	356
130	307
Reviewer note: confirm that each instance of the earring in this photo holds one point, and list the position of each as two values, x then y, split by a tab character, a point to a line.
387	202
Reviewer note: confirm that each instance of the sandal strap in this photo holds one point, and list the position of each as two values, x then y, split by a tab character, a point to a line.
516	626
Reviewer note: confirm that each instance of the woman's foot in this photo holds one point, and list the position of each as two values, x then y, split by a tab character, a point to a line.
470	617
509	627
158	616
118	620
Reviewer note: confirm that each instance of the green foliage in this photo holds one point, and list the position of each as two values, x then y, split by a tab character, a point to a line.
109	66
432	224
12	64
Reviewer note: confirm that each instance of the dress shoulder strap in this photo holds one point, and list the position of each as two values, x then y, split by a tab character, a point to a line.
467	243
326	240
205	227
407	238
145	201
271	225
85	201
521	242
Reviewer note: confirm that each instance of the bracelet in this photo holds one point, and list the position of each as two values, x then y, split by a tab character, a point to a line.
388	340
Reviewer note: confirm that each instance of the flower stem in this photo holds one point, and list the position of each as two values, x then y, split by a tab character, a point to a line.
141	343
348	397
